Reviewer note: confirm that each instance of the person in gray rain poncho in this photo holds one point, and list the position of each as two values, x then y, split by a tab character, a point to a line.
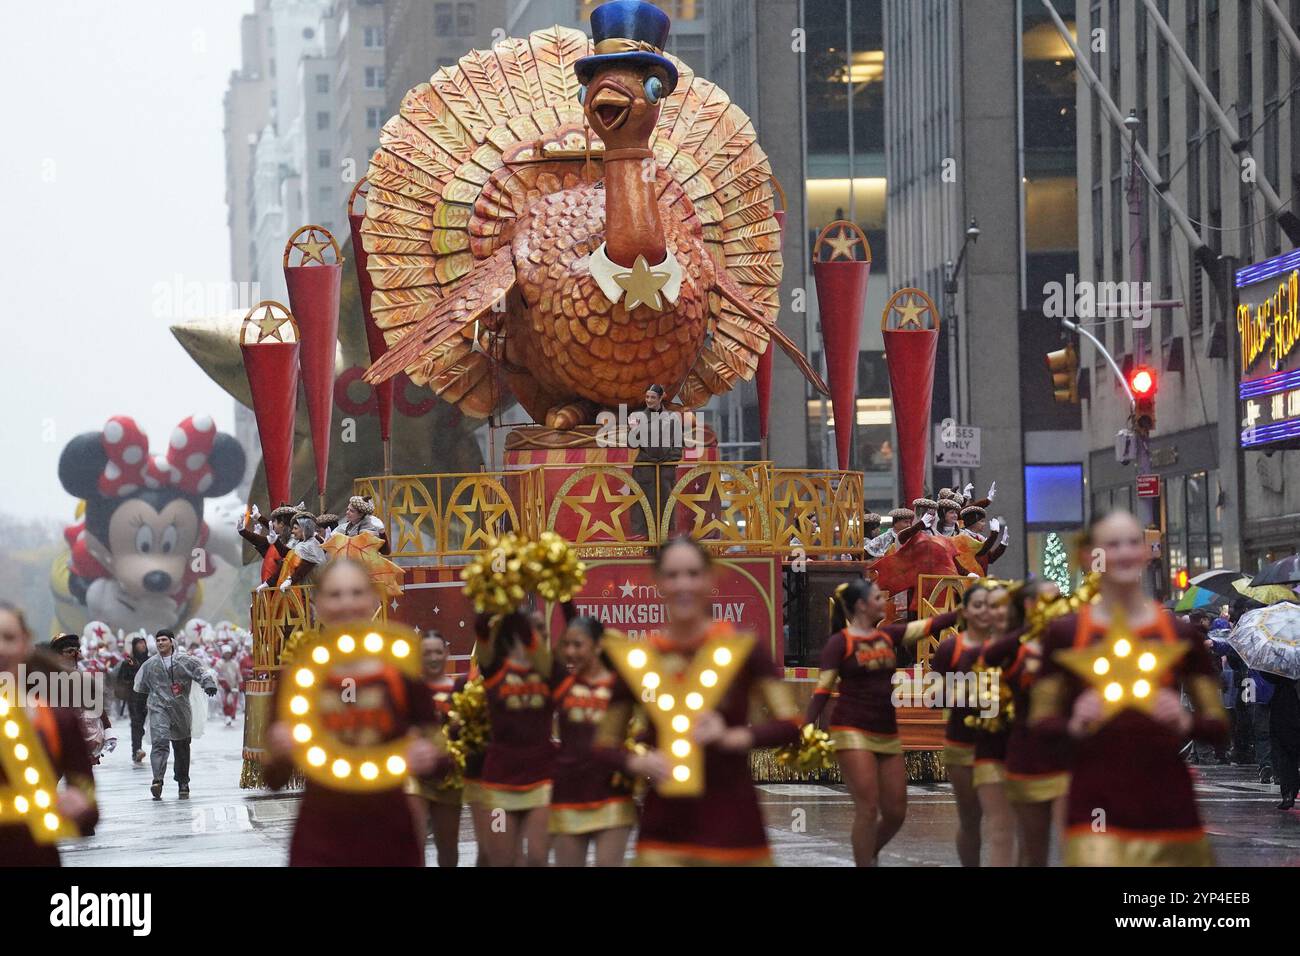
167	678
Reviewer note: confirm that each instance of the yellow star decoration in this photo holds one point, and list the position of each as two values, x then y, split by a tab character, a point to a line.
1124	670
268	326
317	752
911	313
842	244
602	494
642	285
480	516
30	793
717	506
674	691
312	248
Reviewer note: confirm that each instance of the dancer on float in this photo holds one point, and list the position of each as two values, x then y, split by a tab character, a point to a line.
1126	771
520	675
338	828
434	803
588	808
957	655
724	825
861	657
59	729
1037	774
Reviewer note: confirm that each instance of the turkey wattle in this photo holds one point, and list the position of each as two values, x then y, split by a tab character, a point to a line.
575	256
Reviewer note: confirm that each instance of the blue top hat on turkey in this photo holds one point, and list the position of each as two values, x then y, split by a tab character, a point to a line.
628	32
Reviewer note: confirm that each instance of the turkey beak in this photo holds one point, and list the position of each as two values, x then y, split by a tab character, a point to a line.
611	106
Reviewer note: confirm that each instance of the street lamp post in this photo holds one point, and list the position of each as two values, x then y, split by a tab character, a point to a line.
950	289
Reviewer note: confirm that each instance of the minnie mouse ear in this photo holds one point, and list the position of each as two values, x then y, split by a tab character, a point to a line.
81	463
227	462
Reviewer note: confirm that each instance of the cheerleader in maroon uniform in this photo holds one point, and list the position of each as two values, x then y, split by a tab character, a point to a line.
1131	801
956	656
60	731
997	822
724	825
587	806
520	675
1037	776
861	657
432	801
338	828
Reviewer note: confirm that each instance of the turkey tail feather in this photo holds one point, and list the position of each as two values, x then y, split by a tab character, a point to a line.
729	290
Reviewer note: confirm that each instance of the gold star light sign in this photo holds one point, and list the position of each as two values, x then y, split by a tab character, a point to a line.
1124	670
311	243
30	792
675	691
318	751
841	244
268	321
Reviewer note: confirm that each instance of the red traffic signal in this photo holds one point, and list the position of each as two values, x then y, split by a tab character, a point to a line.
1142	382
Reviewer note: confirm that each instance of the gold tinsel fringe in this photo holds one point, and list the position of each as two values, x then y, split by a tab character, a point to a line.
251	778
923	766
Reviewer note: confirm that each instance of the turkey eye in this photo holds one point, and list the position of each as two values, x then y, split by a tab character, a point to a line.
582	93
654	88
169	539
144	539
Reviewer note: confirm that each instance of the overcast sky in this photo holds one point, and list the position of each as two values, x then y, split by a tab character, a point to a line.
113	173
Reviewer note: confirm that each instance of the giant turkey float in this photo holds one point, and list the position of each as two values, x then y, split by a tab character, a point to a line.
545	224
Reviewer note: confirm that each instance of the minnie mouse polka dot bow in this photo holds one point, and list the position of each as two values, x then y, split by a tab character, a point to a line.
130	467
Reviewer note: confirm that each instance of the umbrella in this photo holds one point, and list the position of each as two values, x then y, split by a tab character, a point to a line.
1198	597
1219	581
1286	571
1266	594
1268	639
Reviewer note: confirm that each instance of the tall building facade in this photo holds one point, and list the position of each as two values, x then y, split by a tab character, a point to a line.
979	125
303	114
1219	504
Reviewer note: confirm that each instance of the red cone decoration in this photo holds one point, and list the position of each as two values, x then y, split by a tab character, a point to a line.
314	285
910	326
374	335
841	295
268	340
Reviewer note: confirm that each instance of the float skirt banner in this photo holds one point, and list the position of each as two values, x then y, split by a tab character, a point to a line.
314	301
272	369
374	335
621	594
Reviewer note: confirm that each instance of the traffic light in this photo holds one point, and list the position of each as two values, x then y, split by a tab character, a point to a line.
1064	366
1181	579
1142	383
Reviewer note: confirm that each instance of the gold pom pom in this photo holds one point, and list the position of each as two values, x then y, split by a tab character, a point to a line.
814	751
500	579
468	729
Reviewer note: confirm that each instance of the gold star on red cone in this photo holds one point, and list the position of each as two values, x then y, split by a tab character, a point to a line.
842	243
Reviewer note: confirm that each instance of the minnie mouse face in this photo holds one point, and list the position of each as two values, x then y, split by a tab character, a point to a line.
144	515
148	547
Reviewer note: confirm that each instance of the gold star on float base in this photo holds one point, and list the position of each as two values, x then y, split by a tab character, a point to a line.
842	243
911	312
642	285
1125	671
